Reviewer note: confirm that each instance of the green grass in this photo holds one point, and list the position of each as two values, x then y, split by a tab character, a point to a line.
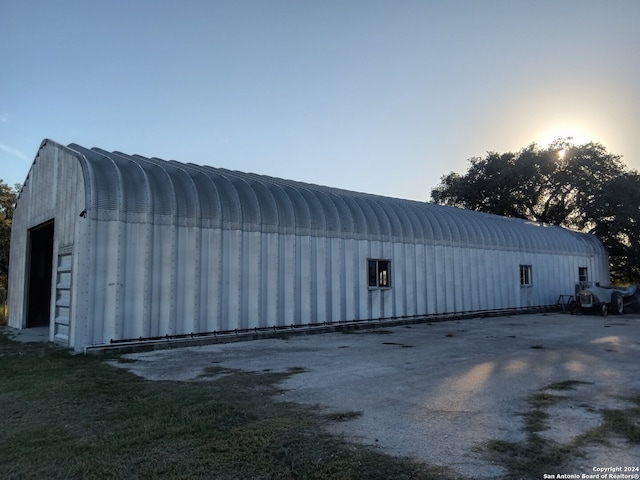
536	455
566	385
622	423
74	416
342	416
368	331
543	399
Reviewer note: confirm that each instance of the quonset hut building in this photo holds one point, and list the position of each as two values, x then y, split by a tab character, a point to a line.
108	247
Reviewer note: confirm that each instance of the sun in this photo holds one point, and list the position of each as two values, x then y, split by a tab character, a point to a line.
566	134
574	134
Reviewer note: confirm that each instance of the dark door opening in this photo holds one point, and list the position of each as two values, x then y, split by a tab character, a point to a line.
40	271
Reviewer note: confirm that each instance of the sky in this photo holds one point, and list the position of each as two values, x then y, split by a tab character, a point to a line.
382	97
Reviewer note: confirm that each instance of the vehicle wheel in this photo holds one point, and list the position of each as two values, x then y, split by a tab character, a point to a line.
573	307
617	304
604	309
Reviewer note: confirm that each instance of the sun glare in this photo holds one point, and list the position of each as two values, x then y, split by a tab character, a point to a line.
575	135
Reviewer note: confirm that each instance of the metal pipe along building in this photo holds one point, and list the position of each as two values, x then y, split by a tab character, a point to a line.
107	247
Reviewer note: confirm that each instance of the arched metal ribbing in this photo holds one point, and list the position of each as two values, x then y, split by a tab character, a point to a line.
229	201
300	209
402	223
347	222
286	214
135	186
208	199
249	203
375	228
384	215
333	221
186	188
139	181
161	206
213	197
360	224
317	212
268	206
104	181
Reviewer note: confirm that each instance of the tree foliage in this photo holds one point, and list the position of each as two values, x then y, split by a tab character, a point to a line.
582	187
7	201
614	216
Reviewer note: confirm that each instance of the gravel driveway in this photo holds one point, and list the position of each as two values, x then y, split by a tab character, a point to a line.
440	391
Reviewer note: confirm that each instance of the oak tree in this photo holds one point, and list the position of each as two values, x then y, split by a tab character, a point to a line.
7	202
582	187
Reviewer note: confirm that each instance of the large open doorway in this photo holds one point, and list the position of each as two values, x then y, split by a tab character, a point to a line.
40	269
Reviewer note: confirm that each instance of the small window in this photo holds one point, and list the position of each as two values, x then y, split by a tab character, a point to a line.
583	275
525	275
380	273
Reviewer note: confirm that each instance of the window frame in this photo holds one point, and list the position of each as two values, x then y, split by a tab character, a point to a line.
526	275
378	273
583	275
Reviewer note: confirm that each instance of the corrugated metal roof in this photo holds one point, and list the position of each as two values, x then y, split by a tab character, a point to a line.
138	189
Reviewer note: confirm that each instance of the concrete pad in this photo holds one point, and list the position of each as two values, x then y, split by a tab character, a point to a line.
438	392
26	335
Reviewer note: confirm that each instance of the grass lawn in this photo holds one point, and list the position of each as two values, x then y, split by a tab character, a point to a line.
75	416
531	459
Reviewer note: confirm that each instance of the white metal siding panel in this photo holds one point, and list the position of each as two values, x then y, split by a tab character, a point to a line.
320	284
402	280
133	281
492	277
410	267
491	262
356	251
465	288
210	299
62	315
430	278
53	190
459	281
187	266
168	248
83	282
415	295
472	276
336	282
567	276
293	295
288	284
28	213
340	258
547	269
107	293
450	279
505	263
232	273
268	280
17	276
330	279
251	287
146	238
305	286
160	276
456	272
439	279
